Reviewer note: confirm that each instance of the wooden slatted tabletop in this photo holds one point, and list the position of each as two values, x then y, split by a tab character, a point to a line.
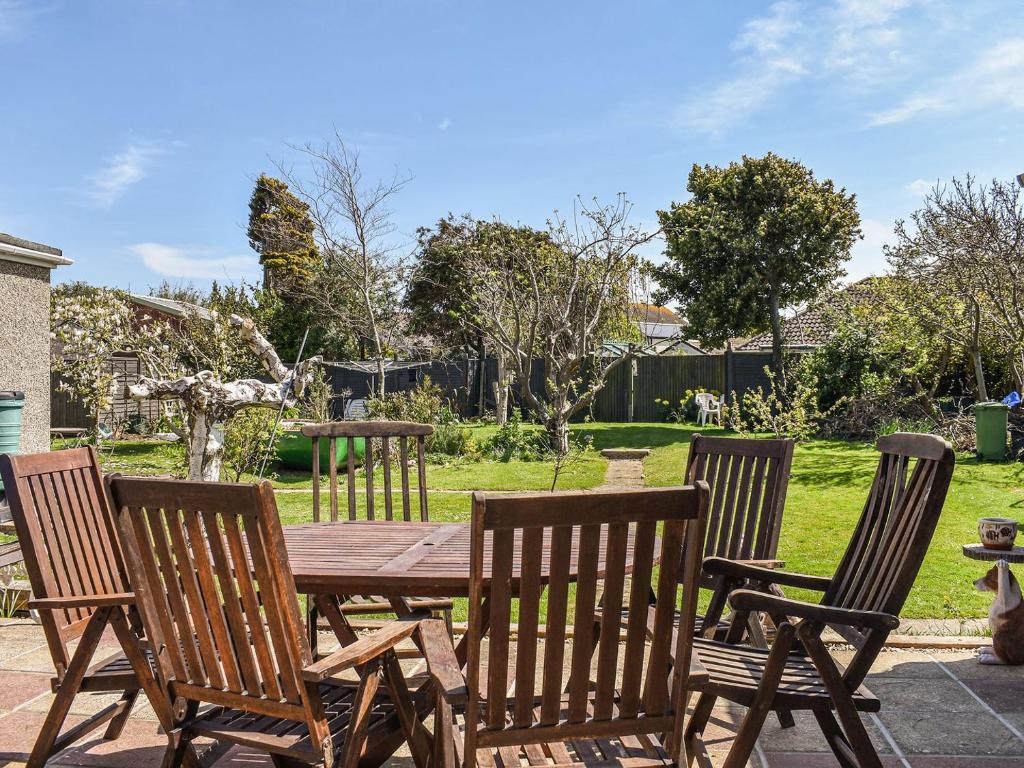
392	558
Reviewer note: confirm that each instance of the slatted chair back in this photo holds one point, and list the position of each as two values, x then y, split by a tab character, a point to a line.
896	526
228	635
748	480
411	443
524	546
892	537
68	537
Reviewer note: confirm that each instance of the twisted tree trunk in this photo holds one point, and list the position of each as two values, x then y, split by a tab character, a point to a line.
208	402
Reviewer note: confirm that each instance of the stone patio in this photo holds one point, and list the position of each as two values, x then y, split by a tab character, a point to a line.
940	709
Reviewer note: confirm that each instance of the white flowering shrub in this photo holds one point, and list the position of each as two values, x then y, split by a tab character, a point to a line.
87	326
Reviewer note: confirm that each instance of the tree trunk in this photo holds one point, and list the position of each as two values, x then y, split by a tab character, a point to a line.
558	434
979	374
501	391
380	377
778	364
205	448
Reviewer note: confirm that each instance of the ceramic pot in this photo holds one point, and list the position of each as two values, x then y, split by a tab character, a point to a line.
997	532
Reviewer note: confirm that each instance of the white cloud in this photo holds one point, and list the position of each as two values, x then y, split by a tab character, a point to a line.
769	60
919	187
171	261
995	77
877	54
445	124
123	170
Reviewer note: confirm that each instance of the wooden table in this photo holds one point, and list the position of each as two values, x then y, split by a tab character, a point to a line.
390	558
980	552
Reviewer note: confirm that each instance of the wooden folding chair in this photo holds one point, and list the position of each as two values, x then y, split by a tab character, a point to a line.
748	479
217	597
75	566
541	707
862	601
410	440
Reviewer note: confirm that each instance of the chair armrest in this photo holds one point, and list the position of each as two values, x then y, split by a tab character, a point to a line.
735	569
751	600
442	665
81	601
361	651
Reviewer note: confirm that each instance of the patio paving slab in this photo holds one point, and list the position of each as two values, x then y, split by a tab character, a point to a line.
940	709
942	733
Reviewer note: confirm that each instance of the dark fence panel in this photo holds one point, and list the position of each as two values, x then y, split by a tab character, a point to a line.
745	371
69	412
656	378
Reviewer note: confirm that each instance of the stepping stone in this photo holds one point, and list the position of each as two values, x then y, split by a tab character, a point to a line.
634	454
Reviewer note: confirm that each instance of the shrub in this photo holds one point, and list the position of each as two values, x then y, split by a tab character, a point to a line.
511	441
450	439
421	405
792	414
246	440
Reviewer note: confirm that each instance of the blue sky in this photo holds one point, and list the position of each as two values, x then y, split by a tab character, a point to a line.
132	130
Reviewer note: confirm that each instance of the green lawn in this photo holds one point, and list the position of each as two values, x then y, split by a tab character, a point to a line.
826	493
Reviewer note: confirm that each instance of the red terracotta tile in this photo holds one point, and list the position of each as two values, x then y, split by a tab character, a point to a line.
18	732
19	687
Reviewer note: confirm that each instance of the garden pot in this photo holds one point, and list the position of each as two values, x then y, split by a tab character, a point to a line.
997	532
295	451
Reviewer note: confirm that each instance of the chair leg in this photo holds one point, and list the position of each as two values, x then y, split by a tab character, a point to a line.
758	640
853	729
49	734
178	747
757	712
836	740
118	723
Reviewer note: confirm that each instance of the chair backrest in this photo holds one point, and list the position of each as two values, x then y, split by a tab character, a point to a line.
528	546
704	399
896	526
748	480
227	635
411	442
68	536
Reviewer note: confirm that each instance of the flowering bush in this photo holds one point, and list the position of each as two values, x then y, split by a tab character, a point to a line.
87	326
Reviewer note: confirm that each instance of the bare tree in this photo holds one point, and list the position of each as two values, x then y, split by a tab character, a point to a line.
993	218
935	257
555	299
359	284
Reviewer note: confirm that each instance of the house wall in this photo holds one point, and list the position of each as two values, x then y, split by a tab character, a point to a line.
25	346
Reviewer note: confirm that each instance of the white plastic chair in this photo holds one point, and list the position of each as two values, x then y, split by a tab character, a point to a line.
708	408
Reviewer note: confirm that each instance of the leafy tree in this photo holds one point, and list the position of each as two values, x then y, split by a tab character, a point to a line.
281	232
439	296
756	237
455	266
555	296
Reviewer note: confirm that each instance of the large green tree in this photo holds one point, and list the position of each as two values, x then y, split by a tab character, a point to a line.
757	236
281	232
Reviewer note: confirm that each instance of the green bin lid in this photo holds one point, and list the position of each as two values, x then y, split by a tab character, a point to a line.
990	405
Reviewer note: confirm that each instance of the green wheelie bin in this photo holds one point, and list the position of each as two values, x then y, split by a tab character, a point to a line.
990	421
